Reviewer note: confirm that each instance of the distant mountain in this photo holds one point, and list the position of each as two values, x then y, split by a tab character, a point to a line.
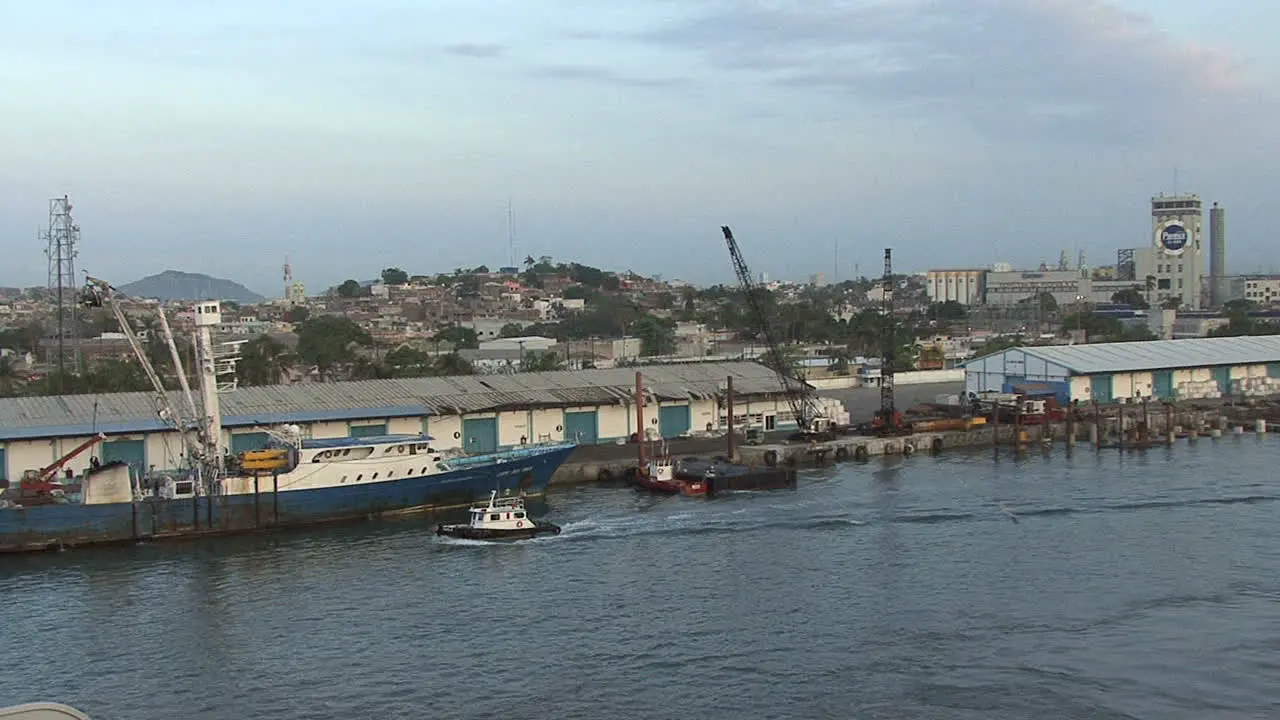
178	285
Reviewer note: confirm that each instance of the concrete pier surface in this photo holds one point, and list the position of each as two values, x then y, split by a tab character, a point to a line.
1129	426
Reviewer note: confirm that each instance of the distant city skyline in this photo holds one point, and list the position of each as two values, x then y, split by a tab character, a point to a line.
355	136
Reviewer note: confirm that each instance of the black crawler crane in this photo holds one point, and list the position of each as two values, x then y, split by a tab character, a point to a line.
813	423
888	420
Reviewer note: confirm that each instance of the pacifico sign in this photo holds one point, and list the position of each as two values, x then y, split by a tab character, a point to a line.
1172	237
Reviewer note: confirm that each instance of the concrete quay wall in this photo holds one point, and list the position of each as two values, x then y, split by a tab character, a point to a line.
1125	426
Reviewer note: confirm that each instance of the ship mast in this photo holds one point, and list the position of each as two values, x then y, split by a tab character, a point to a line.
209	315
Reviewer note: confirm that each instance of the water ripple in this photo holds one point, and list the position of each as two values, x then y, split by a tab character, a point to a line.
1132	586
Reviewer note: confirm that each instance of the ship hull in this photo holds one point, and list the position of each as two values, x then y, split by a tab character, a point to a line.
48	527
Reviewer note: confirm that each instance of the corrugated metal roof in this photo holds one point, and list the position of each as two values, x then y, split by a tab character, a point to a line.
1161	354
33	417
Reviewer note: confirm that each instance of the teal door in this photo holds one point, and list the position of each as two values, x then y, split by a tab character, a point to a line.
480	435
4	466
1223	376
1100	388
673	420
582	427
1162	384
243	442
1273	370
368	430
133	452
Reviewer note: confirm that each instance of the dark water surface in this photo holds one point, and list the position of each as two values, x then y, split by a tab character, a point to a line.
1142	586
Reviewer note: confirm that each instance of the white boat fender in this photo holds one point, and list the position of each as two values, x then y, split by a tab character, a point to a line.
908	447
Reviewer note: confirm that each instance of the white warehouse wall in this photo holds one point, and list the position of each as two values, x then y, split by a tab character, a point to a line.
164	449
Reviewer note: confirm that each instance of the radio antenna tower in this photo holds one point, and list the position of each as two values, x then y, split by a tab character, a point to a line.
63	236
512	259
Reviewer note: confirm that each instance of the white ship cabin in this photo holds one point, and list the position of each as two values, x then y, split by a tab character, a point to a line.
368	448
500	514
662	469
284	457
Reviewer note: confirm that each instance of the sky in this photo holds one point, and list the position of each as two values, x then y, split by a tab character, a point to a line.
352	136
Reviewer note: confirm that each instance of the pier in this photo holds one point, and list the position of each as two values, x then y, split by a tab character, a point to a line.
1093	428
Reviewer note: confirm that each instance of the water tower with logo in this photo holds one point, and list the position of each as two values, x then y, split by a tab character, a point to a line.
1179	260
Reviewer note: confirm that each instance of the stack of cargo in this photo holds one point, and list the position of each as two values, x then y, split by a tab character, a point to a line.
1256	386
1204	390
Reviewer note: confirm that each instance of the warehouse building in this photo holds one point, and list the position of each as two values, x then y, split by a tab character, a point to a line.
478	412
1122	372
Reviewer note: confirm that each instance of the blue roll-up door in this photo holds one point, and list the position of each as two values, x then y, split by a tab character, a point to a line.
1223	376
368	430
673	420
1162	384
582	427
133	452
243	442
1100	388
1010	381
480	435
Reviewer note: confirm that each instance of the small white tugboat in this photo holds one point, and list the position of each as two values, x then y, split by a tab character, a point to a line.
499	519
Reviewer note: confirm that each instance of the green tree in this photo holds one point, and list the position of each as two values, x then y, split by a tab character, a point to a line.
328	341
467	286
461	338
511	330
23	339
263	361
395	276
1240	321
11	378
657	336
1133	297
949	311
574	292
353	289
453	364
545	361
406	361
297	314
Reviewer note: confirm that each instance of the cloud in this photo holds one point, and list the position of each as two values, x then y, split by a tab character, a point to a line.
1082	70
476	50
605	76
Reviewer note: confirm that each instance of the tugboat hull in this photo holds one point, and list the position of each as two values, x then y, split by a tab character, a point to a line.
466	532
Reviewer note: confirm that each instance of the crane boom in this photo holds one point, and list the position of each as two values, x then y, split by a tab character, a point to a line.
888	339
99	293
807	413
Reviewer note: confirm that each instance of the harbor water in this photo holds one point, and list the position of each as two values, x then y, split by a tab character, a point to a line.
1090	585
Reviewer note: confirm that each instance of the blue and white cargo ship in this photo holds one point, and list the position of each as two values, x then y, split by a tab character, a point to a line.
295	481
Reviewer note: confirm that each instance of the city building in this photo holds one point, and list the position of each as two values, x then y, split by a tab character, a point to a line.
1111	372
967	287
480	413
1175	259
1261	289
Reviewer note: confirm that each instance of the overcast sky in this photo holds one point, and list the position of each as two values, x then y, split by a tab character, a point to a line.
219	137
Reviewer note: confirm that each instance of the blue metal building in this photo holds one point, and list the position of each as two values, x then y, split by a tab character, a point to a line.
1109	372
